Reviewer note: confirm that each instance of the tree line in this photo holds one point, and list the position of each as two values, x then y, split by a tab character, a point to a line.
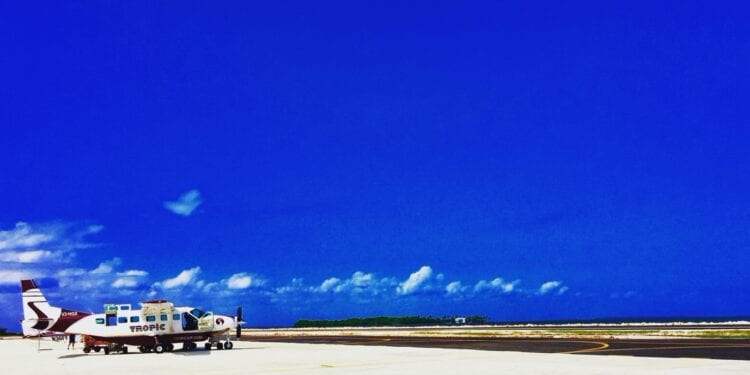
387	321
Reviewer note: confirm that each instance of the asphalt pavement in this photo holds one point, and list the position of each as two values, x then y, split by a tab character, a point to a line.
738	349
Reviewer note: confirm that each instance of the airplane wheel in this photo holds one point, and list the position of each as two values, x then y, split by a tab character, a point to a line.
124	350
159	348
228	345
106	351
97	349
219	346
87	350
170	347
193	346
207	346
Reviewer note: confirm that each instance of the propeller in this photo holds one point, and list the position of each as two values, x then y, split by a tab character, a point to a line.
238	321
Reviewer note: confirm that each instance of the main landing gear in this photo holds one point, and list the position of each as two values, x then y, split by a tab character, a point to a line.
115	348
156	348
220	345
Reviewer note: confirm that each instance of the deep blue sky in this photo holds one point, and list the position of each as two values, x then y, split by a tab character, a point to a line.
601	147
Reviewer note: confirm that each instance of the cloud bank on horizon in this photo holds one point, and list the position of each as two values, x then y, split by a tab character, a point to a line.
60	269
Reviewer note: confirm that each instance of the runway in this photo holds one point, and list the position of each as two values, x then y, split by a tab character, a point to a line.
31	357
662	347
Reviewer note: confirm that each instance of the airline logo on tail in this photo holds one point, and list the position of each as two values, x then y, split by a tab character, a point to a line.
39	316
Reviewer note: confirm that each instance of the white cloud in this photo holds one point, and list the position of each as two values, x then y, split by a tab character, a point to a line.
184	278
107	266
95	228
329	284
24	236
243	281
549	286
415	280
210	287
15	276
496	284
296	285
69	272
125	282
185	204
361	279
42	244
454	287
133	273
28	256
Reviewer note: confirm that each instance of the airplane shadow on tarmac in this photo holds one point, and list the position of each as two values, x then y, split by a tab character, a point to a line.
203	352
72	356
176	352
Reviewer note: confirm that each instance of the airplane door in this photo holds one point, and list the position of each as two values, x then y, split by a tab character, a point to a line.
189	322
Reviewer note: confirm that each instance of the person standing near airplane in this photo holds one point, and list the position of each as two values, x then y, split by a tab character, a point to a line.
72	342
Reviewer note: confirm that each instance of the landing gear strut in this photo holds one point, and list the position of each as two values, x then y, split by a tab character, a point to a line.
220	345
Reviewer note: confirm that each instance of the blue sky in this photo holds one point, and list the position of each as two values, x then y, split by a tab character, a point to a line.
360	158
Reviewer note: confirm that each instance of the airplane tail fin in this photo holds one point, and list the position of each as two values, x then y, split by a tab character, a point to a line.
39	317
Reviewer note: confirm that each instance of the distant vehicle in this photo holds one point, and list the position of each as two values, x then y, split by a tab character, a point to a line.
157	326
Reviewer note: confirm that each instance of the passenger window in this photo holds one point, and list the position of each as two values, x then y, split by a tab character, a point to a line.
175	316
150	318
124	307
163	317
122	319
134	319
99	320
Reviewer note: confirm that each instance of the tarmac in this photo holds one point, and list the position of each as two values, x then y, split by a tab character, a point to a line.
27	356
738	349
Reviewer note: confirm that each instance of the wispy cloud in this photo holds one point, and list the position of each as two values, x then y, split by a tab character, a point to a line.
185	204
183	278
360	283
133	273
496	284
107	266
454	288
243	281
552	286
24	236
28	256
36	250
14	276
415	280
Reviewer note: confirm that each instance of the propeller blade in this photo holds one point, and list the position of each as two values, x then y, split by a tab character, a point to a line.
238	320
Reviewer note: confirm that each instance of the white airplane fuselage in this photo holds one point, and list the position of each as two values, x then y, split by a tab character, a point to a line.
157	321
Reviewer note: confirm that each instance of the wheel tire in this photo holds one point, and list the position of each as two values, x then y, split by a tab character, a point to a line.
106	351
220	346
159	348
228	345
170	347
207	346
97	349
87	350
124	350
193	346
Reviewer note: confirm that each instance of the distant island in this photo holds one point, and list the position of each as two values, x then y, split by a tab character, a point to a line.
390	321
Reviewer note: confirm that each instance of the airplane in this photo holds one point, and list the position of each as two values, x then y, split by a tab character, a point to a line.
155	327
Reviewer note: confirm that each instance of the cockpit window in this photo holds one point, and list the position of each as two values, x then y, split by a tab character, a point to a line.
198	313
